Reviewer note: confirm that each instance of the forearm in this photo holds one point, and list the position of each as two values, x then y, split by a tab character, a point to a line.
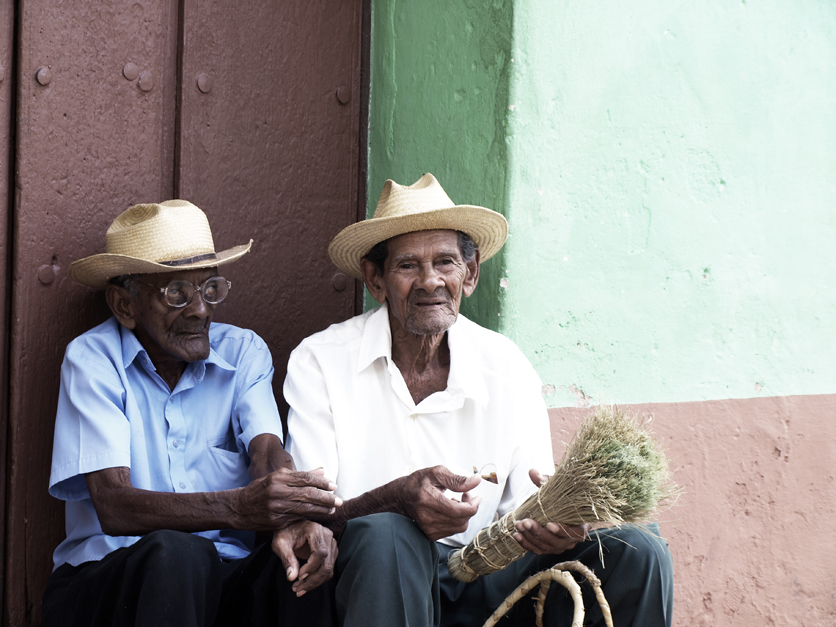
133	512
386	498
265	504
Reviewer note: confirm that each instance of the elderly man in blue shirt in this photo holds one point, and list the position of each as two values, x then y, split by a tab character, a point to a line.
168	453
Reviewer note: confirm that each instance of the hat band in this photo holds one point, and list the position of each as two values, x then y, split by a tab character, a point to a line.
189	260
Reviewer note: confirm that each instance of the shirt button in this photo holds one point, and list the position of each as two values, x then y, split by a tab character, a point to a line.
176	443
413	416
182	486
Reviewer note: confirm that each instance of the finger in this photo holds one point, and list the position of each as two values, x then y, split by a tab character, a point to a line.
572	532
301	478
307	494
539	548
319	567
282	513
537	478
456	483
442	507
538	534
283	547
318	548
538	539
474	501
447	519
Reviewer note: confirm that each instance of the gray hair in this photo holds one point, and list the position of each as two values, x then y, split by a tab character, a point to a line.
380	251
128	282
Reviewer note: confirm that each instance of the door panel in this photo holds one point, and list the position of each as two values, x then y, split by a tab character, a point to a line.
110	112
6	112
91	141
269	149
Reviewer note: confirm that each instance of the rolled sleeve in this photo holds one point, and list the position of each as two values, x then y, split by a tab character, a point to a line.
256	412
91	429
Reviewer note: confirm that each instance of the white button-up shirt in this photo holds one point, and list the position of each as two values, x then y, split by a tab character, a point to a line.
352	414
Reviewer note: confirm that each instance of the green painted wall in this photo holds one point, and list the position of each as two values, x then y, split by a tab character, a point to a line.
439	92
667	169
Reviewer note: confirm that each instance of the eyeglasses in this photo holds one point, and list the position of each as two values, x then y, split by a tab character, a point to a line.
181	293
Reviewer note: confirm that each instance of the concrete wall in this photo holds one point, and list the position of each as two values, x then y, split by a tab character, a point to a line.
668	173
672	192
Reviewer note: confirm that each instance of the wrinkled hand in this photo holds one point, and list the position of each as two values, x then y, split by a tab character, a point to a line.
438	516
554	538
284	497
305	540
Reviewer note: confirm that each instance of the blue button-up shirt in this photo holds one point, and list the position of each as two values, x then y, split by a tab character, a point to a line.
115	410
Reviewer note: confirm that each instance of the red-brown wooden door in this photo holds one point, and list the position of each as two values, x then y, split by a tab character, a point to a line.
250	110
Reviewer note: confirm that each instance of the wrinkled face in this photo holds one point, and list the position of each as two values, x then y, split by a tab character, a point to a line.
424	278
169	333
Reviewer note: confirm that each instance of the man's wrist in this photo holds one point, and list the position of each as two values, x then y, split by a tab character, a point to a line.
398	496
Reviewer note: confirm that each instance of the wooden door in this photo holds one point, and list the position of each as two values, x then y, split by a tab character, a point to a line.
92	139
251	112
270	132
7	15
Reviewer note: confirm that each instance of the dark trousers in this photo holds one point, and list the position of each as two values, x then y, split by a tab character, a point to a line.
388	573
175	578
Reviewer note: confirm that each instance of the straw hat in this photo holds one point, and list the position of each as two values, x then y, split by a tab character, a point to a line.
422	206
149	238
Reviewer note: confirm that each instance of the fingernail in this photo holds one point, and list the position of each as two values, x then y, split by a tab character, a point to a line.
332	510
300	594
517	537
332	486
290	573
303	577
338	501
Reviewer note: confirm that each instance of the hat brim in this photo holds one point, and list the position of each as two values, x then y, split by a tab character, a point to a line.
487	228
97	270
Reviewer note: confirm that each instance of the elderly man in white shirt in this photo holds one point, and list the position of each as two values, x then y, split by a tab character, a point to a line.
411	404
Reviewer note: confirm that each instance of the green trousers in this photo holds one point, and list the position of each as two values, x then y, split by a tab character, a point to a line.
389	573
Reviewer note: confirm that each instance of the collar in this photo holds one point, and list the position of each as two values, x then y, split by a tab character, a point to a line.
132	350
377	338
466	369
465	379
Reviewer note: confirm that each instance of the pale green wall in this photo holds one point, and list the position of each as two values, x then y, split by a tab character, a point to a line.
667	169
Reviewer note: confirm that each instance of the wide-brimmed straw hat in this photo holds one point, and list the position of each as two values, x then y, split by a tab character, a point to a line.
422	206
149	238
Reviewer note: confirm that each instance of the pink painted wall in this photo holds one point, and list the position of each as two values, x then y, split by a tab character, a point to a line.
758	479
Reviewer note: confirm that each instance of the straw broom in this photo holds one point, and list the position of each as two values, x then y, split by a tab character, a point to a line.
611	473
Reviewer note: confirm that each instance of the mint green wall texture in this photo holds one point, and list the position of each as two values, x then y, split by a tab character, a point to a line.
439	92
667	169
672	195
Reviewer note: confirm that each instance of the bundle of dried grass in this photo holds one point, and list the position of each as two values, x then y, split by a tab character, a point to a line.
610	474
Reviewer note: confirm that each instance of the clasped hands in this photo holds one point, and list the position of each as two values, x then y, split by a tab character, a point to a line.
281	502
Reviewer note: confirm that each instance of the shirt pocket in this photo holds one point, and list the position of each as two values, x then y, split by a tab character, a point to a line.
226	466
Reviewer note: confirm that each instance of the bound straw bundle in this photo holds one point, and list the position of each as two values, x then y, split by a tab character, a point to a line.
611	473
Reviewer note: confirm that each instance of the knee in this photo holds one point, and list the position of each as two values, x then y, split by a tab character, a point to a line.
640	549
385	535
168	550
382	529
